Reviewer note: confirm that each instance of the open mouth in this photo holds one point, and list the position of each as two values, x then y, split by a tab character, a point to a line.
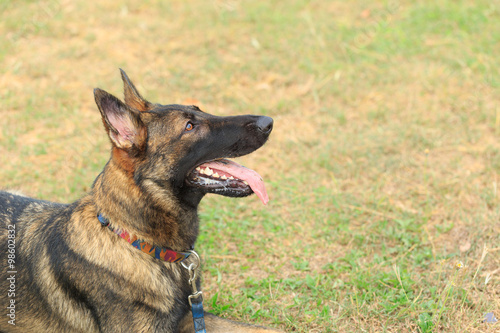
228	178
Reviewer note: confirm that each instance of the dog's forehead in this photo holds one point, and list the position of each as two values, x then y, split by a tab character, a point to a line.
188	111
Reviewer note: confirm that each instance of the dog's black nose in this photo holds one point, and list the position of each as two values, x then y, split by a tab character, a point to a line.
265	124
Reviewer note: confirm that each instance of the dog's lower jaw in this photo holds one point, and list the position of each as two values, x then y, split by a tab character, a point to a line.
190	197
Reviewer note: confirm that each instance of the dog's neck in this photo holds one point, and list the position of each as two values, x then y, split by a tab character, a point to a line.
156	216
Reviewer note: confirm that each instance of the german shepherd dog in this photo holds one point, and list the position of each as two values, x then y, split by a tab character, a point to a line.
110	262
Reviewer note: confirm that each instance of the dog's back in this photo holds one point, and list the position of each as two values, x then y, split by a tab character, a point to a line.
14	204
18	213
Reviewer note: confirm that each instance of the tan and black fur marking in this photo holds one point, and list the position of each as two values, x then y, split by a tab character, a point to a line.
73	275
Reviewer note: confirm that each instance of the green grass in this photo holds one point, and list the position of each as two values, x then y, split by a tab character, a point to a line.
382	168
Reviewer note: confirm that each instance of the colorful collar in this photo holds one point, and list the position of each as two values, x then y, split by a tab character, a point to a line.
157	252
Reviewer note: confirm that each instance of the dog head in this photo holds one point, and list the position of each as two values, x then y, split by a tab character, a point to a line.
180	149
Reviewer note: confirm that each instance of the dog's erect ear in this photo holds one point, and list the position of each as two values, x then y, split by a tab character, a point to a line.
124	125
132	96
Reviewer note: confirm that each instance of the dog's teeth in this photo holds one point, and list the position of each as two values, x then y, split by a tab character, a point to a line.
202	171
223	177
198	169
216	175
208	171
245	182
231	177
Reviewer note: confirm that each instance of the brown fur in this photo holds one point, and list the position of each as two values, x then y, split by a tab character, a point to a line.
72	274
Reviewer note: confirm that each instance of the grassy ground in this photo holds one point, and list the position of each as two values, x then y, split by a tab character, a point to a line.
383	167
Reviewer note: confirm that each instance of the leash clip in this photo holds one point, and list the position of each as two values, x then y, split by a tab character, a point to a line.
196	307
192	278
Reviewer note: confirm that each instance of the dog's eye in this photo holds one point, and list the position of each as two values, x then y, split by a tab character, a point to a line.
189	126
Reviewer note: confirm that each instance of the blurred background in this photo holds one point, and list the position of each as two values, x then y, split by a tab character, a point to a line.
382	169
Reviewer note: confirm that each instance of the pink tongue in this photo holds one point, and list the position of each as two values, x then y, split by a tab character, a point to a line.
253	179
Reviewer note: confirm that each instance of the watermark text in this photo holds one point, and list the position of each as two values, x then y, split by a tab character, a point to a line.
11	274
